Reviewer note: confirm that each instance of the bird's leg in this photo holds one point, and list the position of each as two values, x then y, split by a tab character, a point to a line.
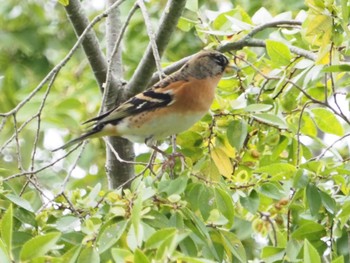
171	158
170	162
177	154
151	162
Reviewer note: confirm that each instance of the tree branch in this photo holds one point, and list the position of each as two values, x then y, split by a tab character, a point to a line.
280	23
152	40
167	25
90	43
247	41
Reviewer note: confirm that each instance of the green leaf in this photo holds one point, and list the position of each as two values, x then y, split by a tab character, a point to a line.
185	24
328	202
176	186
39	246
157	238
72	255
195	260
250	202
7	228
279	53
111	235
20	202
338	260
89	255
224	203
135	234
308	127
177	220
258	107
203	193
327	122
293	249
309	230
280	147
337	68
121	255
271	190
166	248
203	232
237	132
313	198
310	253
270	119
67	223
67	104
301	179
272	254
4	256
192	5
140	257
232	244
278	171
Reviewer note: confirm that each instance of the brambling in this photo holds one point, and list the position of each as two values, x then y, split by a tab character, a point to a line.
171	106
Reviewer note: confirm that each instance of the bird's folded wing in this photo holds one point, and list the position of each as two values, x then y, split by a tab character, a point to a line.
146	101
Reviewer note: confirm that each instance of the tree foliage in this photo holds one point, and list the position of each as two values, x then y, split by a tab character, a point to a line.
265	174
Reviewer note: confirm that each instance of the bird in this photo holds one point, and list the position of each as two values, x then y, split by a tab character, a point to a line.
169	107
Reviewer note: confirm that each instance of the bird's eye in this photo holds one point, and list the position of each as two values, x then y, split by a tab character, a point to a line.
221	60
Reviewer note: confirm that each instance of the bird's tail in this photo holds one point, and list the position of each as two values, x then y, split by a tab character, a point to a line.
89	134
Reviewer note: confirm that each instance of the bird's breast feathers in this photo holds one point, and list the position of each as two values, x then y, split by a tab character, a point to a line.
147	126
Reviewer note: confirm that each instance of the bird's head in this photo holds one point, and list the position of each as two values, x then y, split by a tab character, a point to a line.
206	64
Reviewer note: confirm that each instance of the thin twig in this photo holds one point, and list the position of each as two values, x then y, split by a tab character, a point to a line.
36	186
266	216
19	129
169	69
66	179
167	25
71	206
38	114
40	169
149	167
113	53
248	40
330	147
18	148
298	132
2	124
151	37
289	213
117	155
75	163
280	23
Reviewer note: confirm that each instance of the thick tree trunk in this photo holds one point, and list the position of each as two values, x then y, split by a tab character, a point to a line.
117	172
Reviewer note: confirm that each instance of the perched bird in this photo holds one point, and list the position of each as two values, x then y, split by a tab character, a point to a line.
171	106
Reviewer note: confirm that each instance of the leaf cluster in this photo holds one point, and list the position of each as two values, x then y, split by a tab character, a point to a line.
265	174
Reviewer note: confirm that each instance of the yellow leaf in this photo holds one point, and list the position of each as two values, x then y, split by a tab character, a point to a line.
323	55
317	29
64	2
222	162
212	171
